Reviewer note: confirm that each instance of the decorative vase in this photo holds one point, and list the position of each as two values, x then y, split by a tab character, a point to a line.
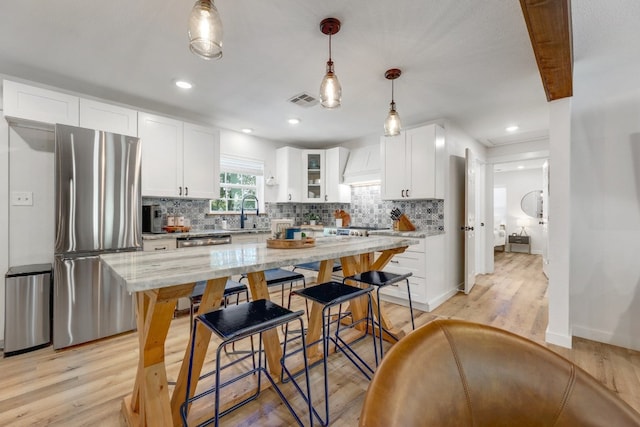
312	222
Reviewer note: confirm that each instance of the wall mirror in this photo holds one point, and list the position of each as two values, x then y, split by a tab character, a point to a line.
531	203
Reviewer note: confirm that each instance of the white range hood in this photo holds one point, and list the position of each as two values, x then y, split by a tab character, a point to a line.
363	166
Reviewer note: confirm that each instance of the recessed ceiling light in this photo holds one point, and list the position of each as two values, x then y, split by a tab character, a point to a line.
183	84
247	130
512	128
293	121
520	167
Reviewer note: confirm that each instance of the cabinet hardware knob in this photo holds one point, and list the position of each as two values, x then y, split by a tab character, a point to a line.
407	192
186	191
394	261
289	196
326	197
164	248
402	192
179	191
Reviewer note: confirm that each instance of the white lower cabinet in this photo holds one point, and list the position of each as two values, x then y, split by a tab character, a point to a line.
163	244
425	261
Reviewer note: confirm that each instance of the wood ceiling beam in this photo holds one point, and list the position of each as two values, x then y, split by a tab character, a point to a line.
549	25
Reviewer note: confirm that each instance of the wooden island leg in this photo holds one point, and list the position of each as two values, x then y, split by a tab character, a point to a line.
149	405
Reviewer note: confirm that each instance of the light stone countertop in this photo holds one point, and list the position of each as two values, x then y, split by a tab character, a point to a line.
140	271
196	233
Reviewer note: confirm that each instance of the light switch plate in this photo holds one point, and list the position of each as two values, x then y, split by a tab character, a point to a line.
22	198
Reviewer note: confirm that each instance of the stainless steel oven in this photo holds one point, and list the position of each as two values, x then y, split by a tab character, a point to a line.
207	240
354	230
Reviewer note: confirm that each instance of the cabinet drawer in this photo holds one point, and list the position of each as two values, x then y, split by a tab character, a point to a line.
418	286
159	245
519	239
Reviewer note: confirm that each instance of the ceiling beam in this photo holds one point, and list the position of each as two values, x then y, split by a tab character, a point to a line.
549	25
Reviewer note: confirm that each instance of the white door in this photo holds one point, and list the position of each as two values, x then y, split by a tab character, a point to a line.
545	218
470	221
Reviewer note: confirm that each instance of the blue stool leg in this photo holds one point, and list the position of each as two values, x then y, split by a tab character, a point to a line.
413	325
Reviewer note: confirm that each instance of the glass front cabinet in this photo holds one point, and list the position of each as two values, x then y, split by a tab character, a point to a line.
313	173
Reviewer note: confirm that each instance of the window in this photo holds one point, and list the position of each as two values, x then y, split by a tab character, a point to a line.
239	178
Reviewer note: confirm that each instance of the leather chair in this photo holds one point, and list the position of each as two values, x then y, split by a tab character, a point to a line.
456	373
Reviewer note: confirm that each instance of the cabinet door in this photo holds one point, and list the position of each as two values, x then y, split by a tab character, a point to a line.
40	105
420	160
161	155
109	118
394	170
289	178
335	161
313	170
201	170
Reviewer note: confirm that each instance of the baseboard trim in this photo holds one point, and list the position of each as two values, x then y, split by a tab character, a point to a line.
562	340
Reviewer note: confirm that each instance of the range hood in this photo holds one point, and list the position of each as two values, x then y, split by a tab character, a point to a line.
363	166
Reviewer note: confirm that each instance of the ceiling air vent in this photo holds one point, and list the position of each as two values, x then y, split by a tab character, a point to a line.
303	100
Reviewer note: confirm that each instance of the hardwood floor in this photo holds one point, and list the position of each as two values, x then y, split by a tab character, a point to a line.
84	386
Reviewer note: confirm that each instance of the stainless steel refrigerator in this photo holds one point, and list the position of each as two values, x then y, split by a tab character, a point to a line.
98	210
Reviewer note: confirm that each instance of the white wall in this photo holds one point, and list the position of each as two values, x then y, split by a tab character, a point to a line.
518	183
31	166
605	243
4	213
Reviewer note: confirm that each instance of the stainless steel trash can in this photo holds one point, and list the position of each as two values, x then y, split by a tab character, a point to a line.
27	321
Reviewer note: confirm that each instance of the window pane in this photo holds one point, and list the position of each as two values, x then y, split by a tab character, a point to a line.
234	193
223	177
219	205
234	178
234	205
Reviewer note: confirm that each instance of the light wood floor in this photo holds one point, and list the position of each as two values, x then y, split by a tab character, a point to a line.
84	386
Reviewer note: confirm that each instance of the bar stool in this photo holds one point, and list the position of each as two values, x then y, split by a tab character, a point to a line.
380	279
330	294
234	323
315	266
280	276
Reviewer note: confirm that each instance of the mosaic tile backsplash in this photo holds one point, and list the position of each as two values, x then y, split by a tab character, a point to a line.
366	209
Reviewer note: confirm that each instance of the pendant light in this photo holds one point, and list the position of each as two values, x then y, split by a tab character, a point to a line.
392	123
205	30
330	89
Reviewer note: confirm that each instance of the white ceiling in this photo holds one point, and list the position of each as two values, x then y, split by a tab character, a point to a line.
467	61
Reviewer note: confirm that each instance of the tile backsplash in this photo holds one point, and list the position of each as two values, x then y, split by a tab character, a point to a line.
366	209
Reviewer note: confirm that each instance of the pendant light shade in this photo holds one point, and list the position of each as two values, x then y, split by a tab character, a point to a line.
205	30
330	89
392	125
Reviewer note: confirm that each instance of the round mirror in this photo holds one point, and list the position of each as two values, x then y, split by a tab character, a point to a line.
531	203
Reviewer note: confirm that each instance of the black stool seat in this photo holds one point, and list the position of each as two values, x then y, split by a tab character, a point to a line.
379	278
230	288
277	276
331	293
315	266
241	320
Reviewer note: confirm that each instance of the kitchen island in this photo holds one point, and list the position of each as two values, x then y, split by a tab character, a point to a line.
159	278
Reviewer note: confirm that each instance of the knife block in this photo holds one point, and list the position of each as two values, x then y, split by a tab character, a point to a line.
404	224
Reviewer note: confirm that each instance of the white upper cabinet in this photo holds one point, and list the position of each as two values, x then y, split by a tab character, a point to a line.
21	101
289	178
335	161
411	162
178	159
313	171
312	176
107	117
201	155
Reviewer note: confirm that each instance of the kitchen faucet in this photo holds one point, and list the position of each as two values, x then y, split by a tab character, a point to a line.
242	216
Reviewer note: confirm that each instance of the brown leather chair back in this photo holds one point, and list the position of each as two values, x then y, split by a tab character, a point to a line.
456	373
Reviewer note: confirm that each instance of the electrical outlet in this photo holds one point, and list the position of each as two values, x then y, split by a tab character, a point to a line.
22	198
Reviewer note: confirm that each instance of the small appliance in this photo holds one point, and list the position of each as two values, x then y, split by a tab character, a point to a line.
152	219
